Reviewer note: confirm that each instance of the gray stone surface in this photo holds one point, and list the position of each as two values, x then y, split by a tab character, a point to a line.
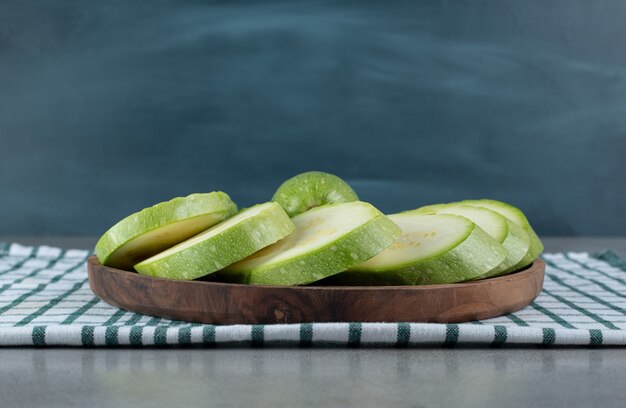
309	378
425	377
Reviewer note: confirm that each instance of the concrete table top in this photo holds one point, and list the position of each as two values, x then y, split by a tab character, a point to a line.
425	377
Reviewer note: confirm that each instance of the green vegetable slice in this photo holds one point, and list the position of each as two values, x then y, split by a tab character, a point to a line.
512	237
228	242
312	189
433	248
327	240
154	229
517	216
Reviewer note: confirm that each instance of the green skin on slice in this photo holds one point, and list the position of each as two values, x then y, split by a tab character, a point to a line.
228	242
512	237
154	229
312	189
327	240
517	216
433	249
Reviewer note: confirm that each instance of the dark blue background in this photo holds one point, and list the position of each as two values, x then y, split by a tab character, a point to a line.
108	107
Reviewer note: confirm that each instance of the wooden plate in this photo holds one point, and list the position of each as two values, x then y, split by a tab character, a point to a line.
227	303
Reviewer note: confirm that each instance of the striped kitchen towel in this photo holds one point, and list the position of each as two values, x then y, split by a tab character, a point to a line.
45	300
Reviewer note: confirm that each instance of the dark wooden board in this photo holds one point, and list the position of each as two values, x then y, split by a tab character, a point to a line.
225	303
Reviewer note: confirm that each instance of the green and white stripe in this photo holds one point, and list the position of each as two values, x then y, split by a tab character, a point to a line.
45	300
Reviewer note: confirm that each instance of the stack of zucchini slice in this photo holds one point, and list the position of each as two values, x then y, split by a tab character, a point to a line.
316	231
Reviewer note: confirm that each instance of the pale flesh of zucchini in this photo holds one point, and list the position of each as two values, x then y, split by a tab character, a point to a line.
228	242
327	240
154	229
512	237
517	216
432	249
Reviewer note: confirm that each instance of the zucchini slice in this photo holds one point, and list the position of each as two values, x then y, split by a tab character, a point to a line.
154	229
327	240
227	242
433	248
512	237
517	216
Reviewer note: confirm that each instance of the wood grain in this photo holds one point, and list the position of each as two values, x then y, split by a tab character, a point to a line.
225	303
